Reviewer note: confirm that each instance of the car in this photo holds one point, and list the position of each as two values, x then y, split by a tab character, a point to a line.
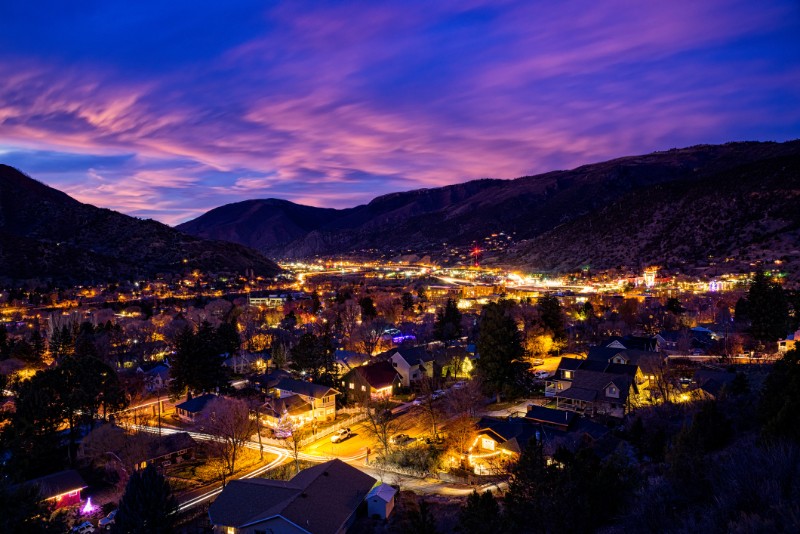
399	439
438	394
459	385
537	361
108	520
341	435
541	375
83	528
419	400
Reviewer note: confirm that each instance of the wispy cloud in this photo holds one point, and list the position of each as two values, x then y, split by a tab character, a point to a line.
333	104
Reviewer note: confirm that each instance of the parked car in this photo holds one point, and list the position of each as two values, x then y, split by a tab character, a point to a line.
83	528
419	400
108	520
399	439
460	384
341	435
438	394
537	361
541	375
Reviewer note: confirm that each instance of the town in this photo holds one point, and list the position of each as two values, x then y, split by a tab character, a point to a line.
413	390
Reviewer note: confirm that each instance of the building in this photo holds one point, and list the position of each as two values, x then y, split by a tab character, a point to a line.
323	499
788	344
376	381
162	451
190	410
322	399
380	501
62	489
412	363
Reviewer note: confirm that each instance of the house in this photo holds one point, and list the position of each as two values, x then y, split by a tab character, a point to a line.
321	398
378	380
156	377
380	501
169	449
455	362
190	409
322	499
499	440
790	343
290	409
569	367
412	363
598	393
646	343
62	488
709	384
265	383
651	364
346	360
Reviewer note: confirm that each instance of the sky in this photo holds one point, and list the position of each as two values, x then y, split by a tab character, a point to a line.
166	109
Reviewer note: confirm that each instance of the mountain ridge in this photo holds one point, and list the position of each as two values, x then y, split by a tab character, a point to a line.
422	221
47	235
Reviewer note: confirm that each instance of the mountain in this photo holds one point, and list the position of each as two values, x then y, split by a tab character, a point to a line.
607	214
47	235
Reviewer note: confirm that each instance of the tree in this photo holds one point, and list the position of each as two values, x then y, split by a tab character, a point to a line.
674	306
230	422
480	511
23	510
551	316
368	311
380	423
294	439
314	356
767	309
447	326
780	399
500	348
421	520
197	363
147	506
428	409
407	301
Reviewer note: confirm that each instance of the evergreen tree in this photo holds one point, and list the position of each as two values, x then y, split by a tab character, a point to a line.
421	520
552	317
407	300
500	349
447	326
22	510
478	513
368	311
780	399
197	363
768	309
148	506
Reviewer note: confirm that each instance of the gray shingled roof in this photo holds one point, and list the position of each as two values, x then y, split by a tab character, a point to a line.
319	499
301	387
58	483
196	404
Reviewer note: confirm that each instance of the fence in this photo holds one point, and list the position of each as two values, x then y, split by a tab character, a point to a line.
358	416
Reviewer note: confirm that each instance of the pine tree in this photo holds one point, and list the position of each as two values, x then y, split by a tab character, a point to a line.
500	349
478	513
447	326
148	506
421	520
768	309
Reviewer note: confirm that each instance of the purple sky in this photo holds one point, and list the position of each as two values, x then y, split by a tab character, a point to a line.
166	112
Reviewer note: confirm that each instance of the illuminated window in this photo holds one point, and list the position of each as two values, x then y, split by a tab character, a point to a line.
363	388
487	443
352	385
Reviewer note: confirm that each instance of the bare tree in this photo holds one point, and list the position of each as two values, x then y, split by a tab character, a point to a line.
293	442
229	421
380	423
429	410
